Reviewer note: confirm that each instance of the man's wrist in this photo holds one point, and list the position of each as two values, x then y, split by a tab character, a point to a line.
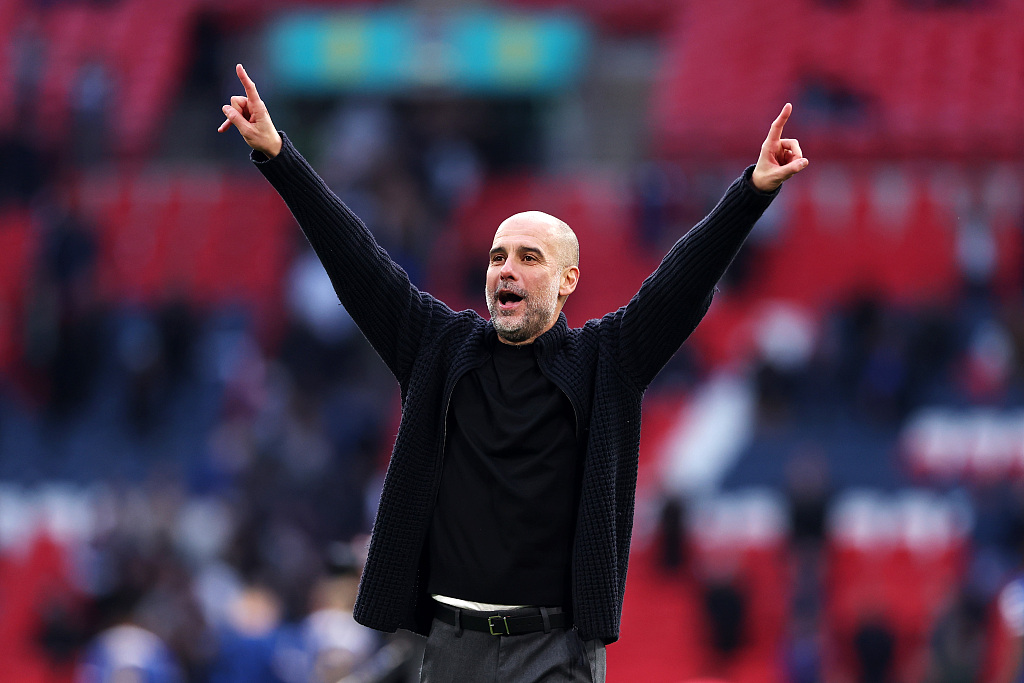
759	183
275	146
751	175
264	155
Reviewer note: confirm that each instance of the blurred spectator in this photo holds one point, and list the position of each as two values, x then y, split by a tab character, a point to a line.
785	337
318	343
958	645
874	647
658	190
202	80
91	99
128	654
804	650
726	608
775	393
933	340
331	644
141	355
361	137
828	101
809	495
248	639
992	536
1010	607
28	53
69	253
873	363
976	251
988	364
23	173
65	330
63	629
178	324
454	172
671	534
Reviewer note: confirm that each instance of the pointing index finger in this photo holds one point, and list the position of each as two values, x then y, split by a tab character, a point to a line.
775	132
250	87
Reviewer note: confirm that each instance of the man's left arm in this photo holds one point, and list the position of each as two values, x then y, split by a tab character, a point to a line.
674	298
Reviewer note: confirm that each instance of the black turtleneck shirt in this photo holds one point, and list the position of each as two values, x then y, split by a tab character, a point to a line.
503	525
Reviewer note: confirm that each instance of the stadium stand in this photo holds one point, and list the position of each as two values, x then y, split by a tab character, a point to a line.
919	83
896	267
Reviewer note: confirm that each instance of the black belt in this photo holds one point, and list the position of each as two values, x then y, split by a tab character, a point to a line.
499	624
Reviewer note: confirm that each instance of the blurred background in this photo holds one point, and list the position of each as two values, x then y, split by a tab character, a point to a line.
193	434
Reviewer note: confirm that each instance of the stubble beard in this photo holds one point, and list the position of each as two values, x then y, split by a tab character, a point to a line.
537	312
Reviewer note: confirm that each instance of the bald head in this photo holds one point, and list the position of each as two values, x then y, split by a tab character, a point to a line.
533	269
560	235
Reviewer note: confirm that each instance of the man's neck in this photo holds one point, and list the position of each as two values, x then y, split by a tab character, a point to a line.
534	337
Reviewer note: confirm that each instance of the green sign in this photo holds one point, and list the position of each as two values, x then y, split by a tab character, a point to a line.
395	49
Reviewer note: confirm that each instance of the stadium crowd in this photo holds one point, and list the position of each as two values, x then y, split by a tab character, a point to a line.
218	475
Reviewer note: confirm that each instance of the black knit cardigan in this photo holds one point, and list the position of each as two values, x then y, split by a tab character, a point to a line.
603	367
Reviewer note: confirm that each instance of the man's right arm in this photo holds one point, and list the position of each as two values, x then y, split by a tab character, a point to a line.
376	292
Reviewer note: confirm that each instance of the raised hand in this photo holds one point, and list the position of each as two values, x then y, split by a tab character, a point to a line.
250	116
780	158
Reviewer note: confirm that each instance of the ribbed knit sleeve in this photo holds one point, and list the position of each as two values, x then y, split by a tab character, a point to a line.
674	298
391	312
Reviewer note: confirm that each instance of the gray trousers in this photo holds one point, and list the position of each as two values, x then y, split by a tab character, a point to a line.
451	656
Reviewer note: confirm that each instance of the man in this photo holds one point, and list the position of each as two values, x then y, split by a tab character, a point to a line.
504	524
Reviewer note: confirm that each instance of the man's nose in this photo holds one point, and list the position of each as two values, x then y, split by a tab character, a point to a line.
507	272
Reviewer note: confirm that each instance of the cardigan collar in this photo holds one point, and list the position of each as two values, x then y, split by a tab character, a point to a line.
545	344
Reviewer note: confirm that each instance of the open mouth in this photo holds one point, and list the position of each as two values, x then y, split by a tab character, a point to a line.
508	300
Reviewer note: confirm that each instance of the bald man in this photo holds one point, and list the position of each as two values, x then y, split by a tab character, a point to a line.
504	524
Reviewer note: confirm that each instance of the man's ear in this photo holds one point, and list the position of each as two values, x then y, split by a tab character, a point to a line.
570	277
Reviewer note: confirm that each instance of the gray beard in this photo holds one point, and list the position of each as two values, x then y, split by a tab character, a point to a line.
533	320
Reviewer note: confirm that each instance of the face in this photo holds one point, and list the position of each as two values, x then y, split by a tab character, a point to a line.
527	278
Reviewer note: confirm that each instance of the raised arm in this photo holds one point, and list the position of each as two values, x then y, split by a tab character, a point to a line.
674	298
390	311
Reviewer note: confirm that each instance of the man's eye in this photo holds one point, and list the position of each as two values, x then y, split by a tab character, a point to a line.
529	257
497	258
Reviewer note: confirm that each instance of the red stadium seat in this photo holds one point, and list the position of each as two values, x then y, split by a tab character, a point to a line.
17	251
928	80
164	234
